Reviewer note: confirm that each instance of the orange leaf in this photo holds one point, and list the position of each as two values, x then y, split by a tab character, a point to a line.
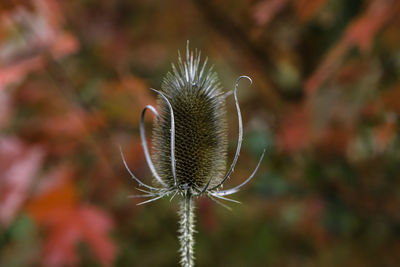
57	208
384	134
305	9
391	98
55	197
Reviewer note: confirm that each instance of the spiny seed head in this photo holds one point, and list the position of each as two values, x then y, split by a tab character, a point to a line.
198	105
190	135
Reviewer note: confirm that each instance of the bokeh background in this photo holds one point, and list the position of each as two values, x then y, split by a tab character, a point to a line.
75	75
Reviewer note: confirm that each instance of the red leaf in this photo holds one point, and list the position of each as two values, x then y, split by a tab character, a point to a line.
95	224
71	124
294	131
14	73
265	11
77	223
18	167
45	36
359	33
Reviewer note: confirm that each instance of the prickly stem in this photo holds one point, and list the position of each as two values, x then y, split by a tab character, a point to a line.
186	230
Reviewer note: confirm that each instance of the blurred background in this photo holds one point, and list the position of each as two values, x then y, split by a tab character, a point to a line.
325	102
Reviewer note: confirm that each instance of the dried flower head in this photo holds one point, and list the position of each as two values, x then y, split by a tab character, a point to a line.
190	142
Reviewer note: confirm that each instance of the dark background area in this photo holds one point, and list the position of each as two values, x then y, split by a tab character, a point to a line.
325	102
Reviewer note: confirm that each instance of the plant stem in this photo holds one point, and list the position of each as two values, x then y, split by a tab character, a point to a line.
186	230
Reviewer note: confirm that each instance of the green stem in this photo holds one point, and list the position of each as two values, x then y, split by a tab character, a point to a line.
186	231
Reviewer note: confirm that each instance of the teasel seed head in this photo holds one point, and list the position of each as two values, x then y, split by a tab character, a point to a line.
198	104
190	134
190	143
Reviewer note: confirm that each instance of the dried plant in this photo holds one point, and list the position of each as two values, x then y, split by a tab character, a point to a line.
190	143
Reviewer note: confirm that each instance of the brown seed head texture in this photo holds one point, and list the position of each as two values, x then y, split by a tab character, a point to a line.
200	125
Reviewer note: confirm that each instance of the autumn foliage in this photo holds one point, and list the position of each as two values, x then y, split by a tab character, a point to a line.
75	75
